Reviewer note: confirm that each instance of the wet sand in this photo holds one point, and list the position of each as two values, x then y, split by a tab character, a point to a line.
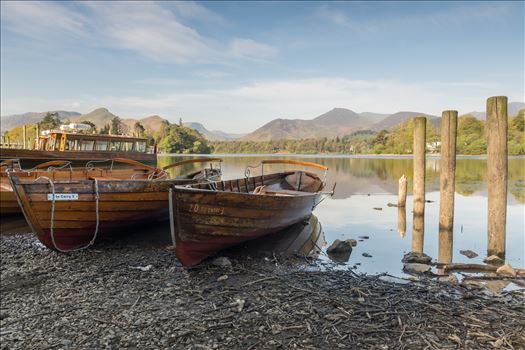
128	295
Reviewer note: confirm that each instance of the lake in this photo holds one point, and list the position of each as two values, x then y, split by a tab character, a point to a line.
368	182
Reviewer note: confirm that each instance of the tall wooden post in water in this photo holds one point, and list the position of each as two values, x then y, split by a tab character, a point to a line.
497	173
449	127
418	226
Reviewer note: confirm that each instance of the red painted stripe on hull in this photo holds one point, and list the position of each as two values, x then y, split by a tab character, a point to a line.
67	240
192	253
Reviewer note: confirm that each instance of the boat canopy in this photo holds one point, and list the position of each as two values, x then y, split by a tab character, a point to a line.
53	140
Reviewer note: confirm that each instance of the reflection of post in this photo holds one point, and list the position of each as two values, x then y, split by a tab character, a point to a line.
402	193
24	136
402	221
449	126
418	227
497	173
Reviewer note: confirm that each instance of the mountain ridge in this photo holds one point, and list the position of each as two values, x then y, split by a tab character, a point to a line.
336	122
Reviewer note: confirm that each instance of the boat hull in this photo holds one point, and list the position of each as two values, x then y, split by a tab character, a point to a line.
122	204
209	221
8	203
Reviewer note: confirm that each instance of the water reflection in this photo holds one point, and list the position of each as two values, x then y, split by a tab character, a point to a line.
378	175
367	183
402	221
304	239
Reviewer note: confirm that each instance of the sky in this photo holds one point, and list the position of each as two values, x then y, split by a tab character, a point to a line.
235	66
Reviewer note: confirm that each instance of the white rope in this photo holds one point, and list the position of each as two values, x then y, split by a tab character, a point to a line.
172	222
51	226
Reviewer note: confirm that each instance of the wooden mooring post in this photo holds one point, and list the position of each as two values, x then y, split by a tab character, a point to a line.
497	174
449	127
418	225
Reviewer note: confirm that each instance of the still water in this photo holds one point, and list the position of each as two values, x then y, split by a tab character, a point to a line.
365	185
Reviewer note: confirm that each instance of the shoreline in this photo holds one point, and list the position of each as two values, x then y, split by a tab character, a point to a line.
326	155
126	295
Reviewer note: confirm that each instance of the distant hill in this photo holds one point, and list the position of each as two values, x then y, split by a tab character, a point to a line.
512	110
12	121
99	117
398	118
336	122
213	135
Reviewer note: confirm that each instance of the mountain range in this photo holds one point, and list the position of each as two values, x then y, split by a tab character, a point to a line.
336	122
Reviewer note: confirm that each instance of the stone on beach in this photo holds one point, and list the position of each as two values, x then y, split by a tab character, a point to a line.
222	262
339	251
506	270
414	257
493	260
339	246
416	268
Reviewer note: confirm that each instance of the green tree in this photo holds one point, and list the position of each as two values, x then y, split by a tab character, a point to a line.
116	126
50	121
180	139
93	127
105	129
139	129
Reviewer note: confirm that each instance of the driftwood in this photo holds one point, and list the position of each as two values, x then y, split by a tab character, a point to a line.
477	267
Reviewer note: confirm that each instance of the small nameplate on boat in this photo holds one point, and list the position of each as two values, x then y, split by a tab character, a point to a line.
63	196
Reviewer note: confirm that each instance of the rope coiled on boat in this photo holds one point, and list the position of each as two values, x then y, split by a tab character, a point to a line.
51	226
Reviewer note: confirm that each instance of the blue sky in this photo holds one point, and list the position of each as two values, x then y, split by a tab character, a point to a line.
237	65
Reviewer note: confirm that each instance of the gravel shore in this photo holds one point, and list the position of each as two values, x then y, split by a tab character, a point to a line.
124	295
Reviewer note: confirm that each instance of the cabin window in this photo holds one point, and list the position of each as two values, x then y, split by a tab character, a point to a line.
127	146
48	145
101	145
115	145
86	145
140	146
71	145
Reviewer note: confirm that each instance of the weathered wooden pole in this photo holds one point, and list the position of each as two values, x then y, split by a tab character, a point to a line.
24	136
449	127
402	193
497	174
418	225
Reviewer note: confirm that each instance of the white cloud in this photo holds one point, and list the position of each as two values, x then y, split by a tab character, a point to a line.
459	15
247	48
150	29
249	106
41	20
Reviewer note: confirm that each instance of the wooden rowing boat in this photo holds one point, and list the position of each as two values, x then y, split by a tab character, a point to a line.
62	170
212	216
72	214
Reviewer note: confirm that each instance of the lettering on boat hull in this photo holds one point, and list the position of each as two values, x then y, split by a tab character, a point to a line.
63	196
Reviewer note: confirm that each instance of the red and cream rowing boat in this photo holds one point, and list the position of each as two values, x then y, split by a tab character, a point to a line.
71	214
209	217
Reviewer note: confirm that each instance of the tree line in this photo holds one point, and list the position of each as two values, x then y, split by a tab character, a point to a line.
398	140
170	138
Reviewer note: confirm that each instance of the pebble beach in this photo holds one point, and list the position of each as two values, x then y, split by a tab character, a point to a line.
125	295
